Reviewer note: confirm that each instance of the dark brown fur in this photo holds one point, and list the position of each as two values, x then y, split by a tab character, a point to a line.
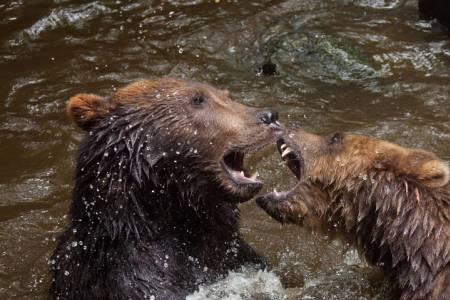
154	211
393	202
436	9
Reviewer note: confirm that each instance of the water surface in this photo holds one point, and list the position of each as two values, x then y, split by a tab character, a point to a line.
367	66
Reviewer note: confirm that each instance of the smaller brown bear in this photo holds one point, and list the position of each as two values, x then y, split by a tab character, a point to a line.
392	202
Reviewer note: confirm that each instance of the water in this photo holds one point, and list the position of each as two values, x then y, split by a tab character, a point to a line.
243	284
367	66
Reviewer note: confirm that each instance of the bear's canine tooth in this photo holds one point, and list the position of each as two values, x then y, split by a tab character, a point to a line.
254	176
283	147
286	152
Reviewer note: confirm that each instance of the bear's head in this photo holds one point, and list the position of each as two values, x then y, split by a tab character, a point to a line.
155	140
344	159
391	201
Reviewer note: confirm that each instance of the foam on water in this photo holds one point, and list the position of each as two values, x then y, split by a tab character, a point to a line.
245	284
383	4
63	17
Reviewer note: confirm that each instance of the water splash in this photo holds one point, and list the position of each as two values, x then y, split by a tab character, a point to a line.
246	284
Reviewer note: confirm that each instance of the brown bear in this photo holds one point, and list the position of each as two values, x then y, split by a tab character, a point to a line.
392	202
159	176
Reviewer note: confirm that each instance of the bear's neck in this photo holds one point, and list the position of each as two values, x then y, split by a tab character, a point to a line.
399	223
124	208
128	188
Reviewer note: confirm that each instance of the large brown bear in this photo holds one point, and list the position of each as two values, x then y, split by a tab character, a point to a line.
158	180
393	202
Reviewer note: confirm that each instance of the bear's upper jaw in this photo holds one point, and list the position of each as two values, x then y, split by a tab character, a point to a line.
291	157
233	164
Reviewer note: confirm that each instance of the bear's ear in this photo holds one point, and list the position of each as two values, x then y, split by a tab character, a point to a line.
434	173
86	109
426	168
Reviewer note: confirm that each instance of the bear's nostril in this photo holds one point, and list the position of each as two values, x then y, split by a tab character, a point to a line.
268	116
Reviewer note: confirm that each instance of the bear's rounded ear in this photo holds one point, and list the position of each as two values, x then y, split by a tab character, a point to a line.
425	167
433	173
86	109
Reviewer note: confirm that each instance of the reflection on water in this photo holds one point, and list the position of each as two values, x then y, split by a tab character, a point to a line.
368	66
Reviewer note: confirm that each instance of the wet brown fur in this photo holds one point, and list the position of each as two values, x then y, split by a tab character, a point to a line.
393	202
154	214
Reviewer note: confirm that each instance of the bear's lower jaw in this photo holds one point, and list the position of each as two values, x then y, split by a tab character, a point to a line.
242	184
233	166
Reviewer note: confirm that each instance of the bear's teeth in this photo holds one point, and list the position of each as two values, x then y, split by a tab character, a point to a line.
286	152
284	146
242	173
254	176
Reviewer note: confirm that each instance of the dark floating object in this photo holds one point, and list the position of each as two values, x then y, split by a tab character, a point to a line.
267	69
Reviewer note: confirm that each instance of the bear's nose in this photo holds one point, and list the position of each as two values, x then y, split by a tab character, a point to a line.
268	117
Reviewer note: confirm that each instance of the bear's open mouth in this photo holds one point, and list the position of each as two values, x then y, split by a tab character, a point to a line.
291	157
233	163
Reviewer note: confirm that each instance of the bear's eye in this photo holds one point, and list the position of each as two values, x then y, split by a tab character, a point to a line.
336	138
198	101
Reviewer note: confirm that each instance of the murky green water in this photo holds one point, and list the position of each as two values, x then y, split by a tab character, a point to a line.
367	66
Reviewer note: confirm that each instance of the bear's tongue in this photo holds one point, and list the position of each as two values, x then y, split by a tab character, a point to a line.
234	164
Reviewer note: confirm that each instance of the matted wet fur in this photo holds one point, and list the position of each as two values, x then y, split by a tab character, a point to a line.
393	202
158	179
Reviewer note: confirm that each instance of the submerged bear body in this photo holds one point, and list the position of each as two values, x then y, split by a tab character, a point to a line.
158	180
435	9
392	202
